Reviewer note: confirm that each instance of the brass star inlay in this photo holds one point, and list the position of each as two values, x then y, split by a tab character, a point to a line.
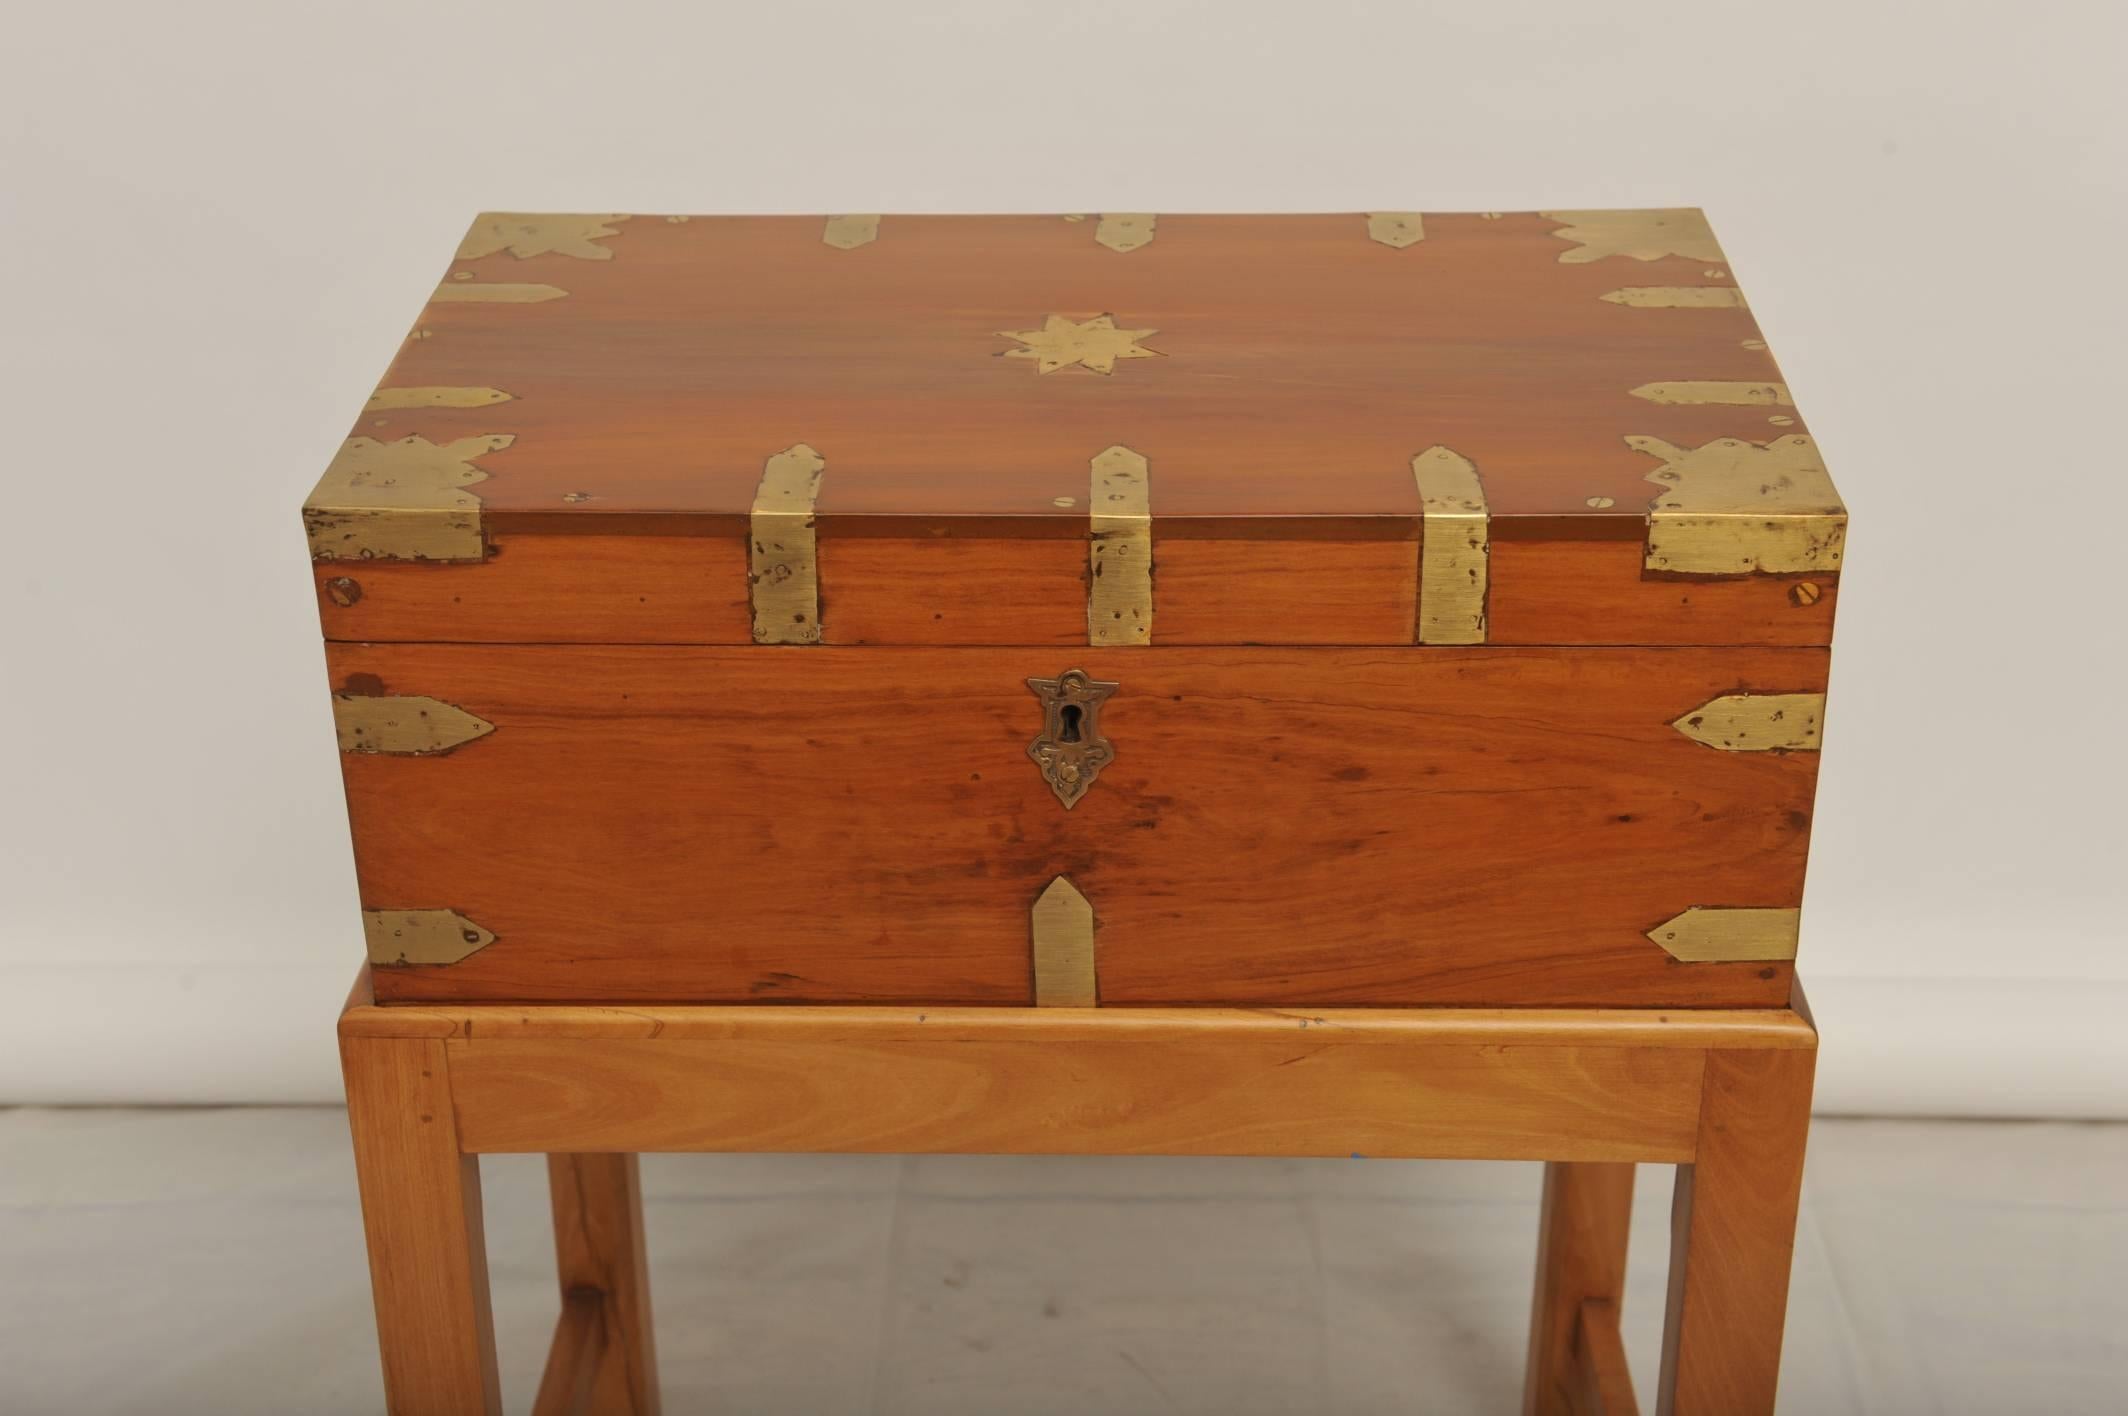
1097	344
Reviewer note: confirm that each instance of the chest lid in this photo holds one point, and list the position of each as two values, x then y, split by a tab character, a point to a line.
1558	427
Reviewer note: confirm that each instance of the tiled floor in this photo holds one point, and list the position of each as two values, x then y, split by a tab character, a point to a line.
180	1262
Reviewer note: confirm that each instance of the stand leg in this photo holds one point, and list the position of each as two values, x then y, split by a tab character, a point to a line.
600	1254
1581	1259
428	1260
1732	1235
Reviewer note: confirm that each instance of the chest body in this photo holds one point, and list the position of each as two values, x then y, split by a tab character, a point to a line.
1276	611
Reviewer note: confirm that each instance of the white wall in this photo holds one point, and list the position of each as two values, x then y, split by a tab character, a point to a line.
220	218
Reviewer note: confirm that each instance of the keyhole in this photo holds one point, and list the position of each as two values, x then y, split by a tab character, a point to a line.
1068	722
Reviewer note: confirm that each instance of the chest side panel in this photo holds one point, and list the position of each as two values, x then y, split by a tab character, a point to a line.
1277	826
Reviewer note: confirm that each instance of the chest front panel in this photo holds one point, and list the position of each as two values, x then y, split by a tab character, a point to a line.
1298	826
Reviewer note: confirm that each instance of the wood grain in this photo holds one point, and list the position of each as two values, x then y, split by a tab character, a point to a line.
1686	1029
958	590
1289	1090
656	587
1593	592
576	589
1300	365
421	1214
1581	1257
1284	591
1312	827
1606	1384
1732	1236
566	1385
600	1249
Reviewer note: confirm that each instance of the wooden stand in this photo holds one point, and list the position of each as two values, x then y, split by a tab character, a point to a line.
1724	1095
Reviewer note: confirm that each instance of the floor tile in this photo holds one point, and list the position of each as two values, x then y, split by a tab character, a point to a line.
211	1261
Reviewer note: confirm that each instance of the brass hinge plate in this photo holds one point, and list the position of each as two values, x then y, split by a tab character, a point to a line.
1454	548
847	233
1396	229
1125	230
1119	596
785	571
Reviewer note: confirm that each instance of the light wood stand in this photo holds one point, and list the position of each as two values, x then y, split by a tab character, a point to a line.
1723	1095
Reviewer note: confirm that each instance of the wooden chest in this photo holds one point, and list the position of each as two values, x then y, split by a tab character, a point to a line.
1296	610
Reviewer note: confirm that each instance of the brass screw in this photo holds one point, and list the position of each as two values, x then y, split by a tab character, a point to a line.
1805	592
342	591
1601	502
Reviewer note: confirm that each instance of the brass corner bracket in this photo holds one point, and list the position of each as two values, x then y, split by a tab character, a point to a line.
403	500
1731	507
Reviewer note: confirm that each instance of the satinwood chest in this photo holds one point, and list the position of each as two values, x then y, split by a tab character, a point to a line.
1261	610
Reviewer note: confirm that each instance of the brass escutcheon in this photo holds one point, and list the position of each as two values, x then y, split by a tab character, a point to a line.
1071	751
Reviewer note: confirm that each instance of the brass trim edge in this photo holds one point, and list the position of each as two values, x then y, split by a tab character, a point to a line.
1757	722
1679	297
1647	235
409	725
403	500
1062	926
784	576
494	292
433	396
1396	229
1454	548
1119	552
399	937
1694	392
530	233
1719	934
1126	230
1731	507
847	233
